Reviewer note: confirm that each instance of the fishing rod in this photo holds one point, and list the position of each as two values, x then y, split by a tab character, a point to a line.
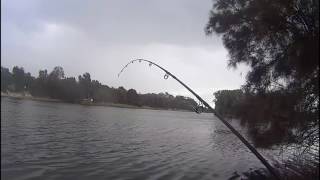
234	131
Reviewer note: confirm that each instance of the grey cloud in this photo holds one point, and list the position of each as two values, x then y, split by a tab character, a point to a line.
123	21
100	36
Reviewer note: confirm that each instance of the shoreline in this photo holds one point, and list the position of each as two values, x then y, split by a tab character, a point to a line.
29	97
46	99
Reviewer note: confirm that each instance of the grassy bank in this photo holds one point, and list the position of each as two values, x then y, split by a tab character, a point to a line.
47	99
28	96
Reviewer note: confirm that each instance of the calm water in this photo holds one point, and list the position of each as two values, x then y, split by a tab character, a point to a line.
43	140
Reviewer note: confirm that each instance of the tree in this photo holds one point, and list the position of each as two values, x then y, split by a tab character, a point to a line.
54	82
121	94
69	90
279	40
43	74
18	78
6	78
29	80
39	87
57	73
133	97
227	101
85	82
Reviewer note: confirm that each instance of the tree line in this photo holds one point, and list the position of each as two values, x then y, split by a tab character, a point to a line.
69	89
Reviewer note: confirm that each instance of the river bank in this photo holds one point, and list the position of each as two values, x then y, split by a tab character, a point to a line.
26	95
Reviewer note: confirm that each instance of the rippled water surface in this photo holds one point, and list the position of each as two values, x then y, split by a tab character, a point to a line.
43	140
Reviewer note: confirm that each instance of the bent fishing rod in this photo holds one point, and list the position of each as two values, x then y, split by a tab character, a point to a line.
234	131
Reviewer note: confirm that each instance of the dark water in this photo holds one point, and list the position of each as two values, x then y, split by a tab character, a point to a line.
43	140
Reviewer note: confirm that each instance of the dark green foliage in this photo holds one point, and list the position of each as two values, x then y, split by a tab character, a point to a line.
133	97
185	102
56	85
103	93
28	81
57	73
272	118
40	86
6	79
121	94
279	40
18	78
166	100
85	83
227	101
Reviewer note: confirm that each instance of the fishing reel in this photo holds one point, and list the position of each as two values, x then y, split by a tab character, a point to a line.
199	108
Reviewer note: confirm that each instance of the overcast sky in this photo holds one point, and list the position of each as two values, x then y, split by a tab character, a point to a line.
100	36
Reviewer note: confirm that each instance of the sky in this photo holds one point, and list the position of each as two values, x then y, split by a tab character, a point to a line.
101	36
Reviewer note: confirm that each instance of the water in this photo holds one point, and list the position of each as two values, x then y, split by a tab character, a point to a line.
44	140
